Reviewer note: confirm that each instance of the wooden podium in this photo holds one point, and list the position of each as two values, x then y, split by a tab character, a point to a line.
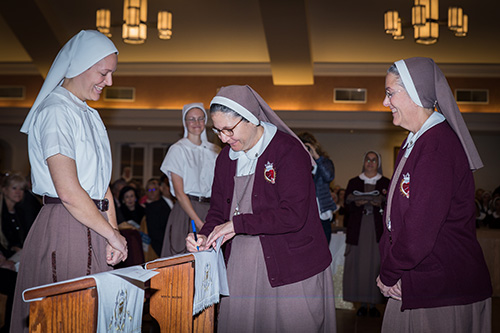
172	301
66	307
72	306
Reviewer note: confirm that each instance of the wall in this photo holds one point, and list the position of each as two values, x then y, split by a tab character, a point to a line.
345	147
345	130
172	92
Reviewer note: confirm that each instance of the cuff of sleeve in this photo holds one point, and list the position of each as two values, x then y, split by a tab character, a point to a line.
238	224
388	280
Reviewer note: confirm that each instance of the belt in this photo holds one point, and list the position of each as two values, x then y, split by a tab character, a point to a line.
102	205
199	199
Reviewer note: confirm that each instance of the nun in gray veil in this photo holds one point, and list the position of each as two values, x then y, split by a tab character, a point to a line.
432	266
264	206
364	205
75	233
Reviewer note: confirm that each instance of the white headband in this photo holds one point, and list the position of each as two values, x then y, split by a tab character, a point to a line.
236	107
408	82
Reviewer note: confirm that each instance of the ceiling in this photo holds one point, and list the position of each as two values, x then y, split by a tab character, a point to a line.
290	39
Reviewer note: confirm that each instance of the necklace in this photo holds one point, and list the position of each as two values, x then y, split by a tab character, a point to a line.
246	168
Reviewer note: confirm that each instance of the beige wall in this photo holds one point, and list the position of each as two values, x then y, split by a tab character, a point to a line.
344	146
345	130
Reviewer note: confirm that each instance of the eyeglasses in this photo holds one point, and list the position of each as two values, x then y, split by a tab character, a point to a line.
195	120
152	189
391	94
226	131
373	160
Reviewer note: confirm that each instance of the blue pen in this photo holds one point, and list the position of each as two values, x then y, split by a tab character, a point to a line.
194	232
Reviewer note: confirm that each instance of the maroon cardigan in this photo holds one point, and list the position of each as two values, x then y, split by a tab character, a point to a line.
434	249
285	214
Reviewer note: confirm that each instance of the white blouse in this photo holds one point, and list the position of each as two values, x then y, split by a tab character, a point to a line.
195	164
63	124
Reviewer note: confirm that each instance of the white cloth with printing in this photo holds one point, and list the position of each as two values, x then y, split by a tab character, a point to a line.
210	278
120	298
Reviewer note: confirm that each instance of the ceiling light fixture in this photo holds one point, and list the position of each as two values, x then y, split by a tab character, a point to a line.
425	22
135	26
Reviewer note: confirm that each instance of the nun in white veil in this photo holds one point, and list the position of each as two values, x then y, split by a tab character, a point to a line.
189	165
75	233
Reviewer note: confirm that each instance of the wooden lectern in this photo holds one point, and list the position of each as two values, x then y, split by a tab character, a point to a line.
172	301
72	306
66	307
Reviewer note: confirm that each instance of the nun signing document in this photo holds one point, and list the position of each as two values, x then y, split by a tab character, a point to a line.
264	206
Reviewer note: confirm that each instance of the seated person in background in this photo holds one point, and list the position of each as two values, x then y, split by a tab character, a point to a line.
116	187
18	210
130	208
157	214
493	220
8	276
152	192
16	213
133	214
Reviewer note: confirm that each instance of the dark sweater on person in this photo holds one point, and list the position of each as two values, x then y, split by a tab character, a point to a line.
433	247
285	213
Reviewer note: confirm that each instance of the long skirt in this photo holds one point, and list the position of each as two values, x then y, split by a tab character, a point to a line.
178	227
254	306
57	248
470	318
362	266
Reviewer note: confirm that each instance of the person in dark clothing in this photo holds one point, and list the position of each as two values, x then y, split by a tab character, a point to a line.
323	174
18	209
157	214
130	208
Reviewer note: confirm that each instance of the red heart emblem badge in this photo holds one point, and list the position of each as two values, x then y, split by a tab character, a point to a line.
270	173
405	185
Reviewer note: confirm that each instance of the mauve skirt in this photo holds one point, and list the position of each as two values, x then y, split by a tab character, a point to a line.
178	227
57	248
254	306
469	318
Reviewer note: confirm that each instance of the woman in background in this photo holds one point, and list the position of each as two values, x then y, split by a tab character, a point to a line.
189	165
364	205
16	220
131	210
323	174
17	213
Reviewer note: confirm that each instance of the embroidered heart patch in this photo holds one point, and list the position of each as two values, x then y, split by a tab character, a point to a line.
270	173
405	185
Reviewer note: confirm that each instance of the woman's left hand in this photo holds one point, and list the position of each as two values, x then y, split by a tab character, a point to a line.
225	229
393	292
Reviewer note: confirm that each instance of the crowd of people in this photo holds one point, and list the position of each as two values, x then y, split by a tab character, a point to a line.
267	194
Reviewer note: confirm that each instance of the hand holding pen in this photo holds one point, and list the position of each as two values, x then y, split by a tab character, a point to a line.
194	233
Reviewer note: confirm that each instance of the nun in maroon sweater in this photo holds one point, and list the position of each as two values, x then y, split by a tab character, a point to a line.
264	205
432	266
